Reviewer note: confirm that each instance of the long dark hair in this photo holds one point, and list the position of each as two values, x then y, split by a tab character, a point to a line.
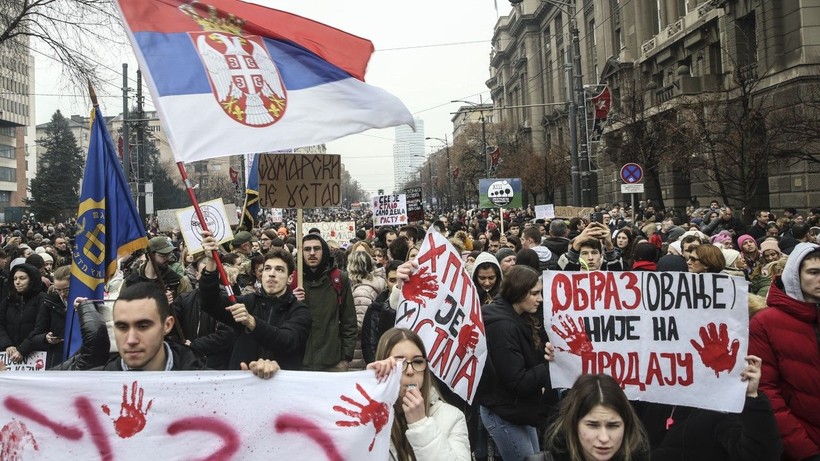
588	392
387	342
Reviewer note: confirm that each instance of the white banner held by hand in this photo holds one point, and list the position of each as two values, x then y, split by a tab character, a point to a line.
668	337
215	217
440	303
36	361
197	415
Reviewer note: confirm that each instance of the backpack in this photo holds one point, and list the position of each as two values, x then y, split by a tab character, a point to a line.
335	281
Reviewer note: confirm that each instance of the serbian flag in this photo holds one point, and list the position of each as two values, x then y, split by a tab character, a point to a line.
495	158
110	227
601	105
229	77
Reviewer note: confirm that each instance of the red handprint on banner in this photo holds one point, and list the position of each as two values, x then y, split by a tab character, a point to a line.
420	285
467	340
14	437
575	334
132	417
715	352
372	411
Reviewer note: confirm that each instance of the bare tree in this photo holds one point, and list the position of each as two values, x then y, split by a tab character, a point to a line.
64	28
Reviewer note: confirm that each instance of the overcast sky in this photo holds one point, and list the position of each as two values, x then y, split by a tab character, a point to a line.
427	53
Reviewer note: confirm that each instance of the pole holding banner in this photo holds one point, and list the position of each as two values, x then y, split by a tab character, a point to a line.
300	254
215	254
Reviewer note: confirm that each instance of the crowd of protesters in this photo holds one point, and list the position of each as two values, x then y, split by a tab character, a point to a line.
336	319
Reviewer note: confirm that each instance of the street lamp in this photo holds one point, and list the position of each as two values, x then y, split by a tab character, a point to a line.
480	109
449	172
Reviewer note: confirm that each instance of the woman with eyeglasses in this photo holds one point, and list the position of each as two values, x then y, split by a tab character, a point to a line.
425	428
706	258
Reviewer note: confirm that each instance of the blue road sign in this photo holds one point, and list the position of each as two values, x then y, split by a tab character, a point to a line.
631	173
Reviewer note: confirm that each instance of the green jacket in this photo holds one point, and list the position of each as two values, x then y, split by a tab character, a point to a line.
334	329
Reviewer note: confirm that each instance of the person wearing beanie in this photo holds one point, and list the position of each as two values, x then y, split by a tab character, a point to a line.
734	263
785	337
770	250
750	252
671	263
506	258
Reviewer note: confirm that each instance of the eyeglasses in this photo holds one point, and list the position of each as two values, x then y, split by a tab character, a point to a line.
313	249
419	364
693	259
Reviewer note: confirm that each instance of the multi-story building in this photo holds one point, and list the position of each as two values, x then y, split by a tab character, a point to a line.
16	111
662	54
408	153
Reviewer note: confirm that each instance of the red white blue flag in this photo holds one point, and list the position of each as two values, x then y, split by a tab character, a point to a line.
229	77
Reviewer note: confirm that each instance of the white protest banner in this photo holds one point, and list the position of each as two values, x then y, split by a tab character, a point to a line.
389	210
36	361
196	415
544	211
167	219
440	303
669	337
341	231
216	217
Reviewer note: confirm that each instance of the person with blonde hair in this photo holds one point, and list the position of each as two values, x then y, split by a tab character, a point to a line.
425	427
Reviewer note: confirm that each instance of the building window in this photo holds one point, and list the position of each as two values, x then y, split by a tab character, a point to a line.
7	152
8	174
5	196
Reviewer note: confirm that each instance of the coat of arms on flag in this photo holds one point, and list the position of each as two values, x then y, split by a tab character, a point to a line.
244	78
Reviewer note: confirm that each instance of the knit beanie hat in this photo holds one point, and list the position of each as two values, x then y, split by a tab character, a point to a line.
730	256
743	238
503	253
770	245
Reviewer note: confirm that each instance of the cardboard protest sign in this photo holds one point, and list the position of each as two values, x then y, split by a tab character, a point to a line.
668	337
341	231
36	361
573	212
440	303
196	415
544	211
277	214
499	193
167	219
415	208
300	180
389	210
216	218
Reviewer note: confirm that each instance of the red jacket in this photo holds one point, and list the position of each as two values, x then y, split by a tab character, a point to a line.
785	337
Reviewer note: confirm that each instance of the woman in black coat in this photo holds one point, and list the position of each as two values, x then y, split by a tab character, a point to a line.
18	311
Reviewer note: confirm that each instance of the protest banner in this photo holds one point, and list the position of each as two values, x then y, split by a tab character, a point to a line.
167	219
573	212
300	180
440	303
196	415
500	193
277	215
668	337
389	210
36	361
341	231
415	208
216	217
544	211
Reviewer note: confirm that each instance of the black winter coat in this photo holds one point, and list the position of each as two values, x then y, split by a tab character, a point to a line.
372	325
282	325
50	318
96	345
18	313
210	338
185	359
515	372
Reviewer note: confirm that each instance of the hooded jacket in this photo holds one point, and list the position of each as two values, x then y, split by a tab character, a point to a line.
786	336
515	372
333	334
486	297
18	311
50	318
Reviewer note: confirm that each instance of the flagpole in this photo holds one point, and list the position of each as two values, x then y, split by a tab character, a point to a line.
299	251
222	275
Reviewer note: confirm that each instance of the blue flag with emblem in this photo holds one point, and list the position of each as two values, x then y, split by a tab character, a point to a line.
109	226
251	209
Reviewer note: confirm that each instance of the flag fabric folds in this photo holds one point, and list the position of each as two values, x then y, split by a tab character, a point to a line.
109	223
601	105
230	77
251	208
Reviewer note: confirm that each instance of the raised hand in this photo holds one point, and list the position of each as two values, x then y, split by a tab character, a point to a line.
467	340
371	411
132	417
715	352
420	285
574	334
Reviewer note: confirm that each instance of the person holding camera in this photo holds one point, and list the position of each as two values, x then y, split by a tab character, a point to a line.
592	250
